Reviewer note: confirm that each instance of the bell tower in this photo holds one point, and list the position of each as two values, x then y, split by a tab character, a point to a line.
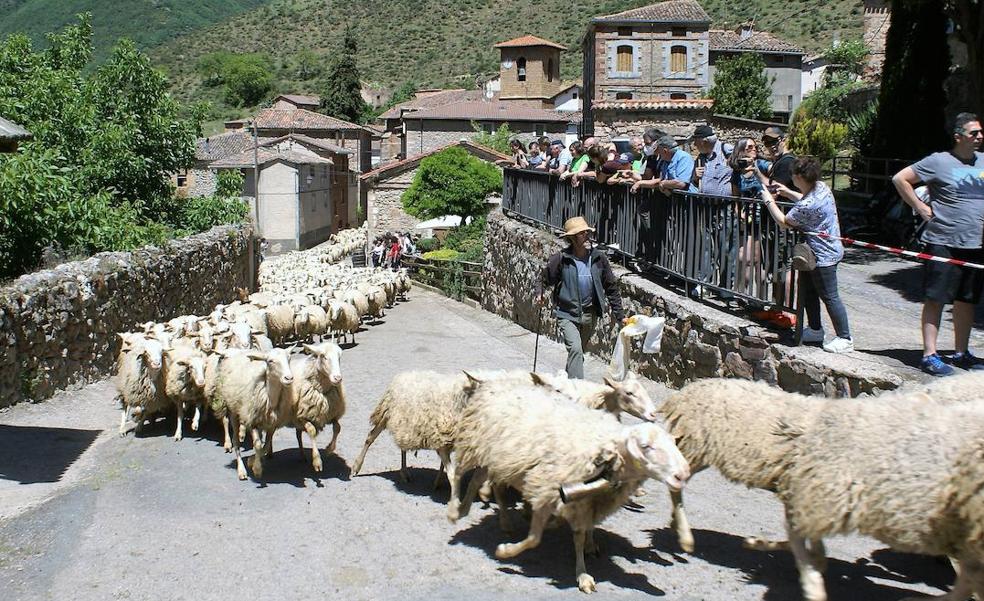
529	68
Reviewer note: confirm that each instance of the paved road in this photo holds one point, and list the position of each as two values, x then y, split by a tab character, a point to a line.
87	515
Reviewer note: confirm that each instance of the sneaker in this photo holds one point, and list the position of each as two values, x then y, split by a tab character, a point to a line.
966	361
811	335
839	345
933	365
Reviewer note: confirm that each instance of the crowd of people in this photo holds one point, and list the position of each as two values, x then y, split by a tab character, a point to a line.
388	249
761	170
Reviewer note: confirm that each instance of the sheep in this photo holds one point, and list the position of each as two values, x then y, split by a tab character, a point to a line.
344	319
901	470
376	297
309	321
249	389
357	300
138	378
316	397
184	380
614	397
533	439
280	320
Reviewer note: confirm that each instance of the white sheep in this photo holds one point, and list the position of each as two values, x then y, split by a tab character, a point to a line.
316	397
535	440
310	320
184	380
138	378
280	320
901	470
343	319
249	389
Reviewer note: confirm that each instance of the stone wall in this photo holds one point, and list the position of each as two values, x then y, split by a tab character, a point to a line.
698	342
680	124
385	205
58	327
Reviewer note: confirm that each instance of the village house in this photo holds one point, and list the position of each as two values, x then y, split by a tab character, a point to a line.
302	196
383	188
11	134
296	101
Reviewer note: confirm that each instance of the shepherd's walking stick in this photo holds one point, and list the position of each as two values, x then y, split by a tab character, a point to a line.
536	345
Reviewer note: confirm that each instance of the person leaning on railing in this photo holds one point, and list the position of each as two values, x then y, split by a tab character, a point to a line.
581	160
597	156
676	167
815	211
519	154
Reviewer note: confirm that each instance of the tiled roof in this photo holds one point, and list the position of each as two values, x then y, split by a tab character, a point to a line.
573	116
496	110
268	155
529	40
223	145
395	167
11	131
668	11
300	119
299	99
759	41
657	104
309	141
432	100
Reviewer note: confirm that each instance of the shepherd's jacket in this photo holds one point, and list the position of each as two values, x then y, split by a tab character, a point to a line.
560	275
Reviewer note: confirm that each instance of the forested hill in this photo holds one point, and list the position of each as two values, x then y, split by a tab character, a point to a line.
149	23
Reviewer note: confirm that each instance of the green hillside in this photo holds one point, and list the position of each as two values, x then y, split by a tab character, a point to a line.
147	22
437	43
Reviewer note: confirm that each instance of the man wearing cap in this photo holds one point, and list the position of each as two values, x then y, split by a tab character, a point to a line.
676	168
780	160
560	158
583	286
712	175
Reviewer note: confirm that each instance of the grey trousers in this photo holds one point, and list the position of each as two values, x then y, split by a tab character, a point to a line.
575	336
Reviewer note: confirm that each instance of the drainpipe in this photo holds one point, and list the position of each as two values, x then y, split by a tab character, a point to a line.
297	206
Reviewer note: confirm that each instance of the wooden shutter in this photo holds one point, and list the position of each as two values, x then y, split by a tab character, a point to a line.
678	59
624	64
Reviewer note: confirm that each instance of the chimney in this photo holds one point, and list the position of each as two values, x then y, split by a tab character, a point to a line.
745	30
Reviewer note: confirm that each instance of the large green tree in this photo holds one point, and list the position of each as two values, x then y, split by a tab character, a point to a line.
341	94
451	182
741	87
912	100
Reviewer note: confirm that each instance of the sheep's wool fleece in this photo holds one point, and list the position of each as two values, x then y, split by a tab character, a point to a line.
906	472
535	440
731	425
316	399
136	386
420	409
241	386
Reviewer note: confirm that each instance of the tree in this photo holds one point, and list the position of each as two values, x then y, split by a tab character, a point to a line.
742	88
497	140
846	61
968	16
247	79
342	92
451	182
912	100
307	65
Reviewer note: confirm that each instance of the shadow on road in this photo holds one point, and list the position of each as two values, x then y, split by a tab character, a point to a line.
421	483
553	560
777	570
32	454
288	467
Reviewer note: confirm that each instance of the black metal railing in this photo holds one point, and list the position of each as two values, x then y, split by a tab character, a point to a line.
729	245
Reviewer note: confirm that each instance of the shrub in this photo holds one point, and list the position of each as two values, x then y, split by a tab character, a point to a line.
451	182
425	245
817	137
444	254
497	140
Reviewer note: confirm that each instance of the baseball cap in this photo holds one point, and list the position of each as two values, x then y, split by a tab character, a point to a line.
667	141
703	131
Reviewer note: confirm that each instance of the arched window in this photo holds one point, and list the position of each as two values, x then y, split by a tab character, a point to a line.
623	64
521	69
678	59
549	69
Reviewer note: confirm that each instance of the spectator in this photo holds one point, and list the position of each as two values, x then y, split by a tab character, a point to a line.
560	158
745	167
745	183
597	156
676	168
649	139
583	287
637	147
712	173
618	169
394	253
954	220
815	211
376	254
780	165
544	143
535	160
518	154
581	160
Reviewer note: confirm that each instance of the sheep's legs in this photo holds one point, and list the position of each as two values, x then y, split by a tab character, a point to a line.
679	522
268	447
226	438
123	418
300	441
537	524
181	415
404	474
811	580
584	580
448	467
816	548
335	429
199	420
440	473
256	461
240	468
499	492
315	453
459	509
370	438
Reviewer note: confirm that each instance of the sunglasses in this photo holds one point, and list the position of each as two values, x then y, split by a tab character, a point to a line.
974	133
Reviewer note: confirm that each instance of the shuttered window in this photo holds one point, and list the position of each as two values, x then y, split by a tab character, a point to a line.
678	59
623	63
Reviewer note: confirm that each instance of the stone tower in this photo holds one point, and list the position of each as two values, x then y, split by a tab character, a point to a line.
529	69
877	14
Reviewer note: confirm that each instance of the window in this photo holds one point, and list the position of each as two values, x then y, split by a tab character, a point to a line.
182	179
678	96
488	128
623	63
678	59
549	69
539	130
679	32
624	32
521	69
623	95
575	96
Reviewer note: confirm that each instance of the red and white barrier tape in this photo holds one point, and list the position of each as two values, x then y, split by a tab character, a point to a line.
898	251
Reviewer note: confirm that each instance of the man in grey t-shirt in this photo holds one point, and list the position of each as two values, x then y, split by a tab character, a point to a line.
954	227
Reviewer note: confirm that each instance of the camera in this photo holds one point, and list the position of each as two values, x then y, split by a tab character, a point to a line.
744	163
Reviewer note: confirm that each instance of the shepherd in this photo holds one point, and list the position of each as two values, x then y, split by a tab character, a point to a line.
583	288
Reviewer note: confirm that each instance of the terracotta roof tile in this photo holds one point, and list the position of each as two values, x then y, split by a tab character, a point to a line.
528	40
656	104
432	100
668	11
268	155
300	119
309	141
501	110
760	41
395	167
222	145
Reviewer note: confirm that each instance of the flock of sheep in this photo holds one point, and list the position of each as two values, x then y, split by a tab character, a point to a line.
905	468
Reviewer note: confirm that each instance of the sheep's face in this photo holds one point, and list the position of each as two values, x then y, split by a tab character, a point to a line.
329	358
650	448
241	333
206	338
633	398
187	367
278	365
152	353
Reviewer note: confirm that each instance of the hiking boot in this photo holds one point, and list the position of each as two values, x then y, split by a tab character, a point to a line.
966	360
839	345
934	366
811	335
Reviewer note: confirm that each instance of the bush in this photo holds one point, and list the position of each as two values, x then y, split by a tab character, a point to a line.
425	245
817	137
498	140
741	87
444	254
451	182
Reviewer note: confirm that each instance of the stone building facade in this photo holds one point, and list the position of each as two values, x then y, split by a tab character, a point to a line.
529	69
427	130
877	15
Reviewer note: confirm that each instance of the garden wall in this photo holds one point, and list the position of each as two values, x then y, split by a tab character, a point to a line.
58	327
699	341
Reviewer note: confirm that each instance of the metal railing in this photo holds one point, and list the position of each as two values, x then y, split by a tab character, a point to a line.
729	245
